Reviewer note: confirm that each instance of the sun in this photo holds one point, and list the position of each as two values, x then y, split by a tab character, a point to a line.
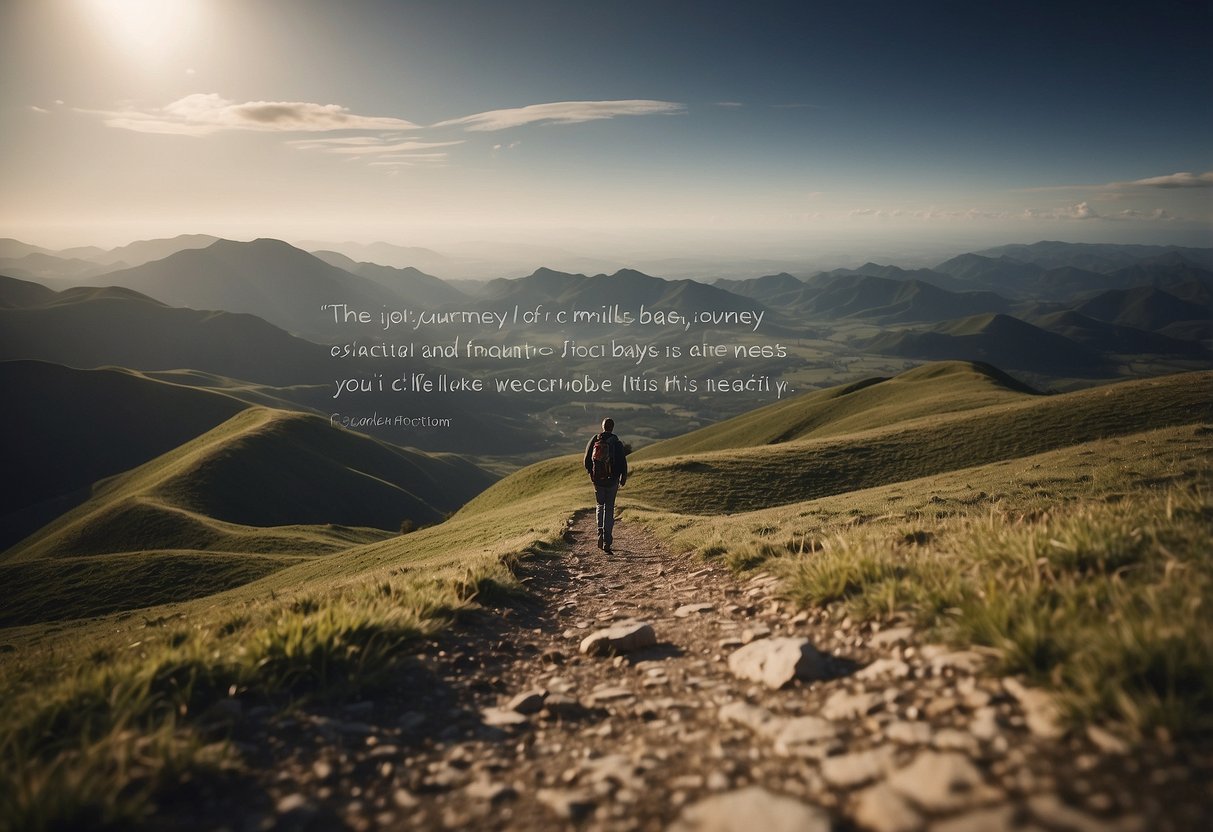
145	30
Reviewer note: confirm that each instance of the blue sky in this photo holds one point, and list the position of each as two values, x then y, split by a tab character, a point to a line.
416	122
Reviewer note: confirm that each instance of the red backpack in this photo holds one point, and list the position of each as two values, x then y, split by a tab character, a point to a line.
602	458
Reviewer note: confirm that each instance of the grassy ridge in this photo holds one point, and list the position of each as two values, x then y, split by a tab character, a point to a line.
1085	568
56	590
261	468
748	479
947	387
933	542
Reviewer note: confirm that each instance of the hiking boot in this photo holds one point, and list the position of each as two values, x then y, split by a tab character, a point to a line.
607	549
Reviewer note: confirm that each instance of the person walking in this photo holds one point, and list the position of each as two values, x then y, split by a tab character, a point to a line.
607	465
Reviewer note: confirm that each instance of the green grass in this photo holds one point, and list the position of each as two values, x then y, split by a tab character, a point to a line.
746	479
940	519
1086	568
98	743
261	468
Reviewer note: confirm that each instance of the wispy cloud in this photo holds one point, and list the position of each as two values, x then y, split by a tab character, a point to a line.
201	114
367	145
729	104
1174	180
562	112
38	109
1079	211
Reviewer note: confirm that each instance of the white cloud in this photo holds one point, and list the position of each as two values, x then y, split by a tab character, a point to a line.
562	112
1174	180
59	101
38	109
1081	211
203	113
366	145
729	104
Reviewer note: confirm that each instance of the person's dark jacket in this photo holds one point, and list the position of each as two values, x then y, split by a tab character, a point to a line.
619	464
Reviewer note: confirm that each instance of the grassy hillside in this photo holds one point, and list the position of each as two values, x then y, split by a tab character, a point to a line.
262	468
97	327
63	429
932	389
894	438
919	516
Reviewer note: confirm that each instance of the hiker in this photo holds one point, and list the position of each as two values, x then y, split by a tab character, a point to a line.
607	466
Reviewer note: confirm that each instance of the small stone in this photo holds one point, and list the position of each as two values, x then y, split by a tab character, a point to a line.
846	705
943	781
322	769
881	809
1040	709
891	636
490	792
777	661
404	799
963	661
292	803
528	702
759	720
568	805
1106	741
985	724
687	610
501	717
610	694
892	668
995	819
803	735
748	809
908	733
754	633
624	637
950	739
849	770
939	706
1049	810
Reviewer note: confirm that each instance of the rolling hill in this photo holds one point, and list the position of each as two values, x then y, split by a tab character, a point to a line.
849	295
267	278
62	429
1114	339
1001	340
753	476
249	484
626	287
87	327
15	292
1144	307
413	286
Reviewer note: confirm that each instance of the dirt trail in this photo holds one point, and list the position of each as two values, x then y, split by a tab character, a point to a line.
898	736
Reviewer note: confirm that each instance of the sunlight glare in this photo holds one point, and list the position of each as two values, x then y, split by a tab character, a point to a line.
145	29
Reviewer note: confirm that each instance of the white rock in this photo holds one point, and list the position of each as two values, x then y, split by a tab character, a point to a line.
1106	741
690	609
881	809
891	636
795	736
995	819
749	809
893	668
777	661
1048	809
528	702
943	781
624	637
849	770
565	804
501	717
908	733
985	724
950	739
759	720
846	705
1040	709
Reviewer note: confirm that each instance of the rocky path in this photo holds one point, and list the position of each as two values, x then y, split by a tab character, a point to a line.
685	715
